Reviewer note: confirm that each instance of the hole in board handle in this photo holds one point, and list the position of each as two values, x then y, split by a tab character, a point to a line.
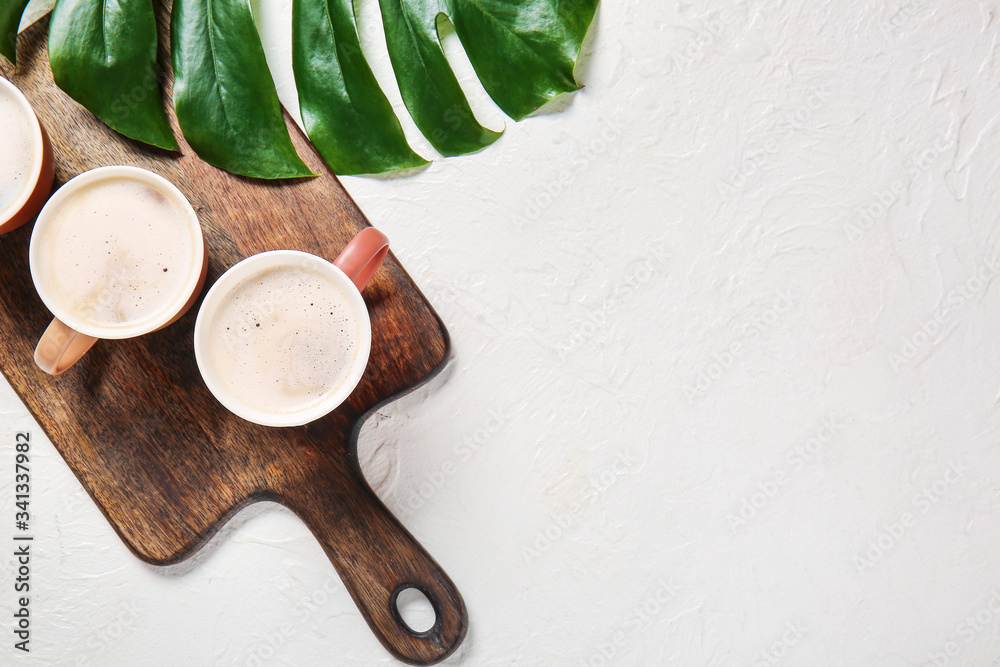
414	610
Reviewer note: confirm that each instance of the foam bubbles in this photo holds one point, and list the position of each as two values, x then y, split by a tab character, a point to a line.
116	253
284	340
16	154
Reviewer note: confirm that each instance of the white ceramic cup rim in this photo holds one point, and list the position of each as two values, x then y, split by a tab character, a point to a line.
220	291
37	149
167	313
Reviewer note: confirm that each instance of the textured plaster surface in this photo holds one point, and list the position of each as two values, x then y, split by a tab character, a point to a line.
725	385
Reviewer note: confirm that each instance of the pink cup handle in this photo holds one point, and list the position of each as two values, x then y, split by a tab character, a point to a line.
362	256
61	347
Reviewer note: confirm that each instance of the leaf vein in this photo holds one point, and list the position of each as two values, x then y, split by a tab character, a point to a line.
216	79
104	33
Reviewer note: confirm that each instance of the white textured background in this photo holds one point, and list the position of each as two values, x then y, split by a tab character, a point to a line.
725	387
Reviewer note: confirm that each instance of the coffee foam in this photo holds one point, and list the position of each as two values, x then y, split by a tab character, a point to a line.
116	252
284	339
16	150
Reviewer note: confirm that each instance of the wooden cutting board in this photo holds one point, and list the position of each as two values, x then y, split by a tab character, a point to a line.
163	460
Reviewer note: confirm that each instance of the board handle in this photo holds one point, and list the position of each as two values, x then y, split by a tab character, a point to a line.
377	559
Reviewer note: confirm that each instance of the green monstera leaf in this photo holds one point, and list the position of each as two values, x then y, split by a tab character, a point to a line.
347	117
10	19
428	85
103	55
224	96
523	51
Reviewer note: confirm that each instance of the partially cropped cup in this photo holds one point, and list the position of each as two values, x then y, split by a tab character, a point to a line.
283	337
117	252
26	164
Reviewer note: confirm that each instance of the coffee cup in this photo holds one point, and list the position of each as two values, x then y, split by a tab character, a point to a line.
26	164
283	337
117	252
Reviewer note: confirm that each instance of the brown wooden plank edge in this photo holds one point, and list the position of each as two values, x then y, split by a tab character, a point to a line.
162	459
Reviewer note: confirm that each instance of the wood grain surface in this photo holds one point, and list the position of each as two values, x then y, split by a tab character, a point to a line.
163	460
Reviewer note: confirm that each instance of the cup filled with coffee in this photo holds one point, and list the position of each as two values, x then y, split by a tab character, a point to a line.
117	252
283	337
26	164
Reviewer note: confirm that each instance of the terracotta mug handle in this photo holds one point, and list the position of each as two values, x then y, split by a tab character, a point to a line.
60	347
362	256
